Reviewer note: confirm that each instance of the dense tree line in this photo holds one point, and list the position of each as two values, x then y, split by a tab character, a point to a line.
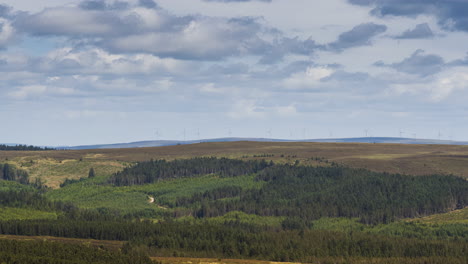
236	240
233	241
23	148
81	228
156	170
310	193
41	252
9	172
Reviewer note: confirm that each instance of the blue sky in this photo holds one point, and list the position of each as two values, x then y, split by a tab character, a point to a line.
86	72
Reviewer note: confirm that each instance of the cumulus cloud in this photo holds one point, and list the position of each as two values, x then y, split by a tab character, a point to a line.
77	22
451	14
360	35
421	31
418	63
146	28
443	86
207	39
69	61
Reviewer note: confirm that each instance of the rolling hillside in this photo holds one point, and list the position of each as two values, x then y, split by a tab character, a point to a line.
56	166
160	143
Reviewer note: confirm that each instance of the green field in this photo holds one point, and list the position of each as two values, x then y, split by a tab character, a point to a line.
130	199
7	213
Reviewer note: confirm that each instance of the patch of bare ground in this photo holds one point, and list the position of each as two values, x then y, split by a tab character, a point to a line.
179	260
316	260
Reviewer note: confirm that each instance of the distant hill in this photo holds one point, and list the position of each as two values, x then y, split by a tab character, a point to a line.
160	143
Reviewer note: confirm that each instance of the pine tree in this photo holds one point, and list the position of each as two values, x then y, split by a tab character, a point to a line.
91	173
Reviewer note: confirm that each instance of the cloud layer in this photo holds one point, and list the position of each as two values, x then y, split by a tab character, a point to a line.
140	65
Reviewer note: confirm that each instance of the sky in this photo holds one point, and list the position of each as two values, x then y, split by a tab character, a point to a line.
108	71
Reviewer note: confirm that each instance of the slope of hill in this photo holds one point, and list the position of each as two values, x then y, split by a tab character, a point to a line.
160	143
53	167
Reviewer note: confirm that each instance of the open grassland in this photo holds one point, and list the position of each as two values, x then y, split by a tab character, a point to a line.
54	167
54	171
8	213
457	216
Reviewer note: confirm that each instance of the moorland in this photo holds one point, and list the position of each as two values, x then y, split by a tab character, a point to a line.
236	202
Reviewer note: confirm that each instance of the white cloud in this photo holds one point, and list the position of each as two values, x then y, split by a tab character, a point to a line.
437	89
286	111
7	33
246	109
445	86
97	61
33	91
211	88
308	79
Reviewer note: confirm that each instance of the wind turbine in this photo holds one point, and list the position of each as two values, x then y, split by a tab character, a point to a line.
401	133
158	134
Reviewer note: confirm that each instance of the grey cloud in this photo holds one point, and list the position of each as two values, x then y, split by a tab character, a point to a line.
418	63
460	62
419	32
237	1
451	14
4	10
360	35
74	22
148	4
157	32
285	46
93	5
344	76
198	38
103	5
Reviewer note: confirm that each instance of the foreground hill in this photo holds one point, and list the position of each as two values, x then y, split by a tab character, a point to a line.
280	201
245	209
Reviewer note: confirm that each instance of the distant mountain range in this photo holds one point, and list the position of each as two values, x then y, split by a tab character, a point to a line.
160	143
